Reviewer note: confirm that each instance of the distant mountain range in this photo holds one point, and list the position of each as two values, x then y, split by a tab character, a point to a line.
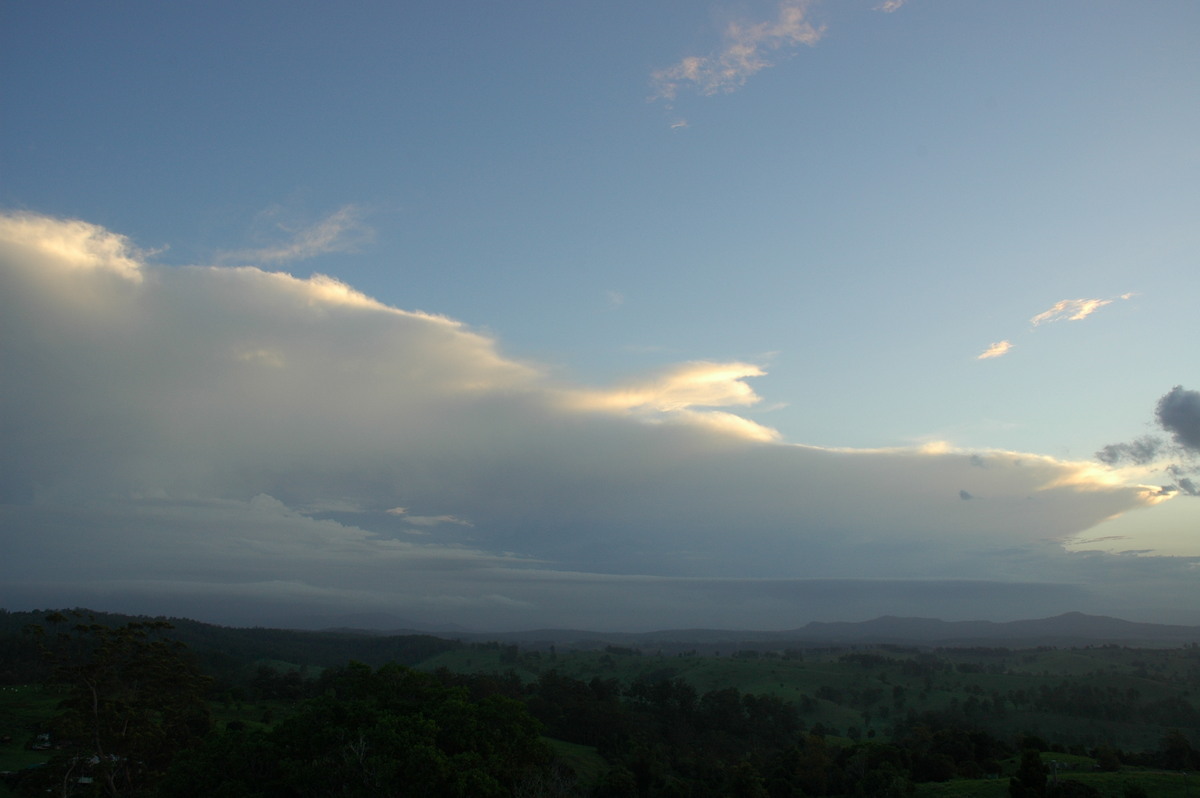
405	641
1069	629
1071	626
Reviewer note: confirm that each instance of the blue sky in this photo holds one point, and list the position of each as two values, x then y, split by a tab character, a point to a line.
690	291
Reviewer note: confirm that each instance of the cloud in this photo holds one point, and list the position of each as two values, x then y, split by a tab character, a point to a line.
69	245
1070	310
1178	412
246	435
341	231
436	520
997	349
688	385
747	49
1139	452
890	6
1063	310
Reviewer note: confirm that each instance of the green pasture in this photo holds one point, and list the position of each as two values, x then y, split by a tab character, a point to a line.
23	710
587	764
1110	785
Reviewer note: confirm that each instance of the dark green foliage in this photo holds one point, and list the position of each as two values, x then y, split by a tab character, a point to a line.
223	651
585	713
1108	759
1177	753
643	724
1069	788
619	782
268	683
390	732
132	701
1030	780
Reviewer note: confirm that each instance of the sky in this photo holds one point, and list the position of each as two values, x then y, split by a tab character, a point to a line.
608	315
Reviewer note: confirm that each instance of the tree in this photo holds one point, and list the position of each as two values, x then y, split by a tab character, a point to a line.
1107	759
376	734
1030	780
1176	752
133	699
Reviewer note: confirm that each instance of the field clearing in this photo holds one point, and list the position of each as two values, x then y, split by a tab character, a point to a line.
1110	785
588	765
22	709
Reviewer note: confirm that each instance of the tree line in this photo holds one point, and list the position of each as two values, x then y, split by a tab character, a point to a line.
136	720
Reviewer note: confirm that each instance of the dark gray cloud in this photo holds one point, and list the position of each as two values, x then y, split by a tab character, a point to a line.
1178	413
1139	452
1189	487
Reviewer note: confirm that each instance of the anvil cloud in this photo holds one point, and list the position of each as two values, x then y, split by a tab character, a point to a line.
246	445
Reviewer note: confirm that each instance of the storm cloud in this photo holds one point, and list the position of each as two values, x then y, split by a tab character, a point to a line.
1178	414
1139	452
210	439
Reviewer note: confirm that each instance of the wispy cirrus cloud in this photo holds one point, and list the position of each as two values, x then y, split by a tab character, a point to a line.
889	6
748	49
341	231
1063	310
998	349
1071	310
